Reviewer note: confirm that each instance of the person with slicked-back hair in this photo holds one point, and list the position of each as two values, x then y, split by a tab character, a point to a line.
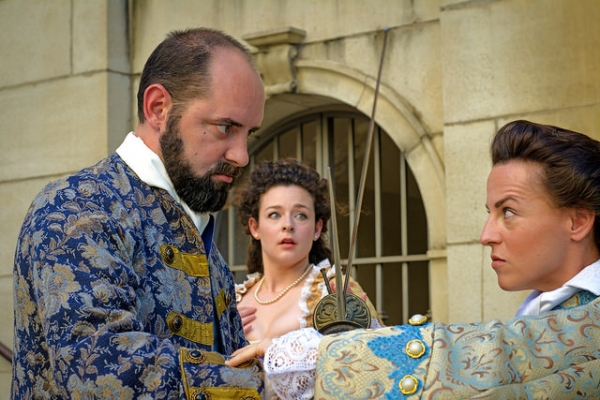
284	207
543	203
120	291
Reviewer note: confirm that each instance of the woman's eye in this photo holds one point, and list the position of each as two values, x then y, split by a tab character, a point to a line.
301	216
508	213
273	215
223	128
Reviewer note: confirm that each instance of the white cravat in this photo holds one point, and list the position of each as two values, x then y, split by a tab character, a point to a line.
151	170
540	302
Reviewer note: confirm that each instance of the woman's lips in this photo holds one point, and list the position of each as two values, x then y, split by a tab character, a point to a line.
287	243
497	262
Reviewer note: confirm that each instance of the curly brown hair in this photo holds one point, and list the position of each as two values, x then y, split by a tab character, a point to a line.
287	172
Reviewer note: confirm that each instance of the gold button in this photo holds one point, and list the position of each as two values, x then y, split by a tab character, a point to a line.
176	324
168	254
408	385
196	356
417	319
201	395
415	348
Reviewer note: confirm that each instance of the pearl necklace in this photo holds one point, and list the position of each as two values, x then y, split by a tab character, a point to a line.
284	291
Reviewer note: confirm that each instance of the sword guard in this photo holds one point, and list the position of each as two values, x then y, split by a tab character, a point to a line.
326	320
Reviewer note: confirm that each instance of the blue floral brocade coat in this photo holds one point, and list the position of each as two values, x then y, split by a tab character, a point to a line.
115	296
553	356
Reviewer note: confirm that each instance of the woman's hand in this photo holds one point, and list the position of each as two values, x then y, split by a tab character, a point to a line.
249	352
248	315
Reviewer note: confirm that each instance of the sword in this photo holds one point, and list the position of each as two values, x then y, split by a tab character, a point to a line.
341	300
323	316
365	167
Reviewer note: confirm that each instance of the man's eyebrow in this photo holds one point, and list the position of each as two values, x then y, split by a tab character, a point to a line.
232	122
227	121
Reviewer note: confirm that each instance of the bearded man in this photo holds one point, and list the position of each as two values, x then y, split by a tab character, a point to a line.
120	291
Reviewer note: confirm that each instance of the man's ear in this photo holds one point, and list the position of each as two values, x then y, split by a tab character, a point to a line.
157	104
582	223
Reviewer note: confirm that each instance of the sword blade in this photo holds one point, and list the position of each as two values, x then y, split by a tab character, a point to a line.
365	167
339	285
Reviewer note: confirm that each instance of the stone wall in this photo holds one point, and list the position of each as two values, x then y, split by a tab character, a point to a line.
64	91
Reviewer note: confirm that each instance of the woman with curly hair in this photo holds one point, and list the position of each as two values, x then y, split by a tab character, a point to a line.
285	207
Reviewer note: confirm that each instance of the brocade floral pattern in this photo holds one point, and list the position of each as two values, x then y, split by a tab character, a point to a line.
92	295
553	356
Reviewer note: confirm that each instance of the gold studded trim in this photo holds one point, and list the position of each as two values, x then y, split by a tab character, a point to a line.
408	385
197	332
210	357
191	264
417	319
415	348
214	393
202	357
198	357
222	301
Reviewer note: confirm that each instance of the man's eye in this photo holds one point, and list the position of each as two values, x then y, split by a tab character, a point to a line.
223	128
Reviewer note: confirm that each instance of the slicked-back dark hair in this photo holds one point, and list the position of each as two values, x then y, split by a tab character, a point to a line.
287	172
181	63
570	162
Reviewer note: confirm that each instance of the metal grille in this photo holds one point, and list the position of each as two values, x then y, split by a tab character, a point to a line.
390	260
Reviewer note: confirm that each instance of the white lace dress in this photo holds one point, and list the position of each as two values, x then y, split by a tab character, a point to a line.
290	365
290	361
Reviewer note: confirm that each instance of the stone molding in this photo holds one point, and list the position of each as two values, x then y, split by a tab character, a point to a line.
276	51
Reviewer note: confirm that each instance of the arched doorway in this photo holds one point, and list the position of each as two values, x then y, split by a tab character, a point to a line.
390	259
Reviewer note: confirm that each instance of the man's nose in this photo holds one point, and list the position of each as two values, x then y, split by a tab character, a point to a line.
237	153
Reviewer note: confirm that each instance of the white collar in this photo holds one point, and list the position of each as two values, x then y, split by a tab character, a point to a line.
151	170
540	302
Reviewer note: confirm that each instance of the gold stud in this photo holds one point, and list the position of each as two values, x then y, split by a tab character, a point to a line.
408	385
415	348
417	319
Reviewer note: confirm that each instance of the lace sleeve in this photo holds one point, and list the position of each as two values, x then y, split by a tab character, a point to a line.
290	364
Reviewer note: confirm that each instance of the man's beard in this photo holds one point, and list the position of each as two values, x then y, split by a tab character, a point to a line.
200	193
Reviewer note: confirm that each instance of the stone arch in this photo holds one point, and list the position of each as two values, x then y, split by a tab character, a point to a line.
320	82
